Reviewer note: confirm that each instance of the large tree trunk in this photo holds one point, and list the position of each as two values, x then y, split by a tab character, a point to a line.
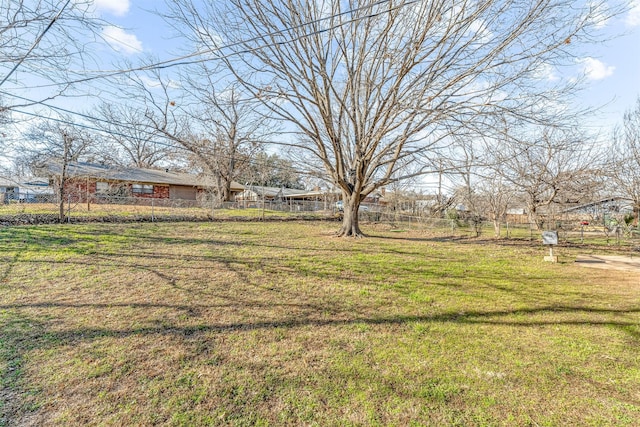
226	191
533	217
350	225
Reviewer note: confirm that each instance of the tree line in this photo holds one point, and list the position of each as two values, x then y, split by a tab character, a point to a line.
361	95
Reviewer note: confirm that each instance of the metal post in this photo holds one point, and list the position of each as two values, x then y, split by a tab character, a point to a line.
153	217
88	200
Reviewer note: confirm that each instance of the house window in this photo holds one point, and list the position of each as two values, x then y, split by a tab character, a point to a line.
142	189
102	187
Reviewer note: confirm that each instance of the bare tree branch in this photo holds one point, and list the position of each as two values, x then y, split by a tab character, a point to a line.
374	86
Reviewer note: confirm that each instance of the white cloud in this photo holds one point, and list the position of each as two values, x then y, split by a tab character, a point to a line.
595	69
122	41
633	17
599	14
546	72
149	82
479	29
115	7
153	83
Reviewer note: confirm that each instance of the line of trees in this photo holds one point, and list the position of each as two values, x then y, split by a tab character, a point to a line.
375	91
361	95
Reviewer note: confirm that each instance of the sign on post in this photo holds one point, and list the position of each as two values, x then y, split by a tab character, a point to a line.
550	238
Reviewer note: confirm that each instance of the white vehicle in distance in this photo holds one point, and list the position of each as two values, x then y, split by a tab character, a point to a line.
340	207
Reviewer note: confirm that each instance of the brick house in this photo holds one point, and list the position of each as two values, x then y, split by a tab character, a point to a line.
89	182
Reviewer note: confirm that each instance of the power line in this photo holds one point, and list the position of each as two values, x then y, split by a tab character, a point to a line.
169	63
165	144
173	62
75	113
53	107
83	126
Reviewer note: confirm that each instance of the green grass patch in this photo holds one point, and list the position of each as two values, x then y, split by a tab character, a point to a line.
258	323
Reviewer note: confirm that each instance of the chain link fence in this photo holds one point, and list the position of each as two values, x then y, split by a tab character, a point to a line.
570	232
48	209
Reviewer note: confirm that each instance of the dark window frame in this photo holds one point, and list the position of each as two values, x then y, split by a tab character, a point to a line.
142	188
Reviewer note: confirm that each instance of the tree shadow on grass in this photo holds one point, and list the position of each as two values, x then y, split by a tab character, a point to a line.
497	317
20	334
183	272
23	333
8	265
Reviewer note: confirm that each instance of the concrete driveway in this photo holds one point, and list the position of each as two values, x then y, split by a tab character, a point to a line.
613	262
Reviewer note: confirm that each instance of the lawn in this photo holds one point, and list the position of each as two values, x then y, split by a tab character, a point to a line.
162	209
246	323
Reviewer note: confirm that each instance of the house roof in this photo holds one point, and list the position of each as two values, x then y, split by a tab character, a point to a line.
29	186
6	182
302	194
600	203
129	174
274	191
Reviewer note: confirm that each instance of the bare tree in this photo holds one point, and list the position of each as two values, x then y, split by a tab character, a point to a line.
40	40
54	147
278	171
372	86
464	164
234	133
625	161
131	137
552	169
219	128
483	191
495	196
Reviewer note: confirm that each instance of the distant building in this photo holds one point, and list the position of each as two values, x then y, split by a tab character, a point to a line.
254	193
30	190
86	181
600	208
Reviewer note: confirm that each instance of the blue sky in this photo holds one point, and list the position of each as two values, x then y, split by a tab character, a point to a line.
612	68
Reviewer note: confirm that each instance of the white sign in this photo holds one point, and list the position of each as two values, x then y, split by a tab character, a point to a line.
549	237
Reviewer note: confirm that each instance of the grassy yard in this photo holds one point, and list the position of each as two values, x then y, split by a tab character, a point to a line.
79	211
283	324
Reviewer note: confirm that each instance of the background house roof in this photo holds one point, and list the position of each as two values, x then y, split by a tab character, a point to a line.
273	191
311	194
129	174
25	186
621	204
5	182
